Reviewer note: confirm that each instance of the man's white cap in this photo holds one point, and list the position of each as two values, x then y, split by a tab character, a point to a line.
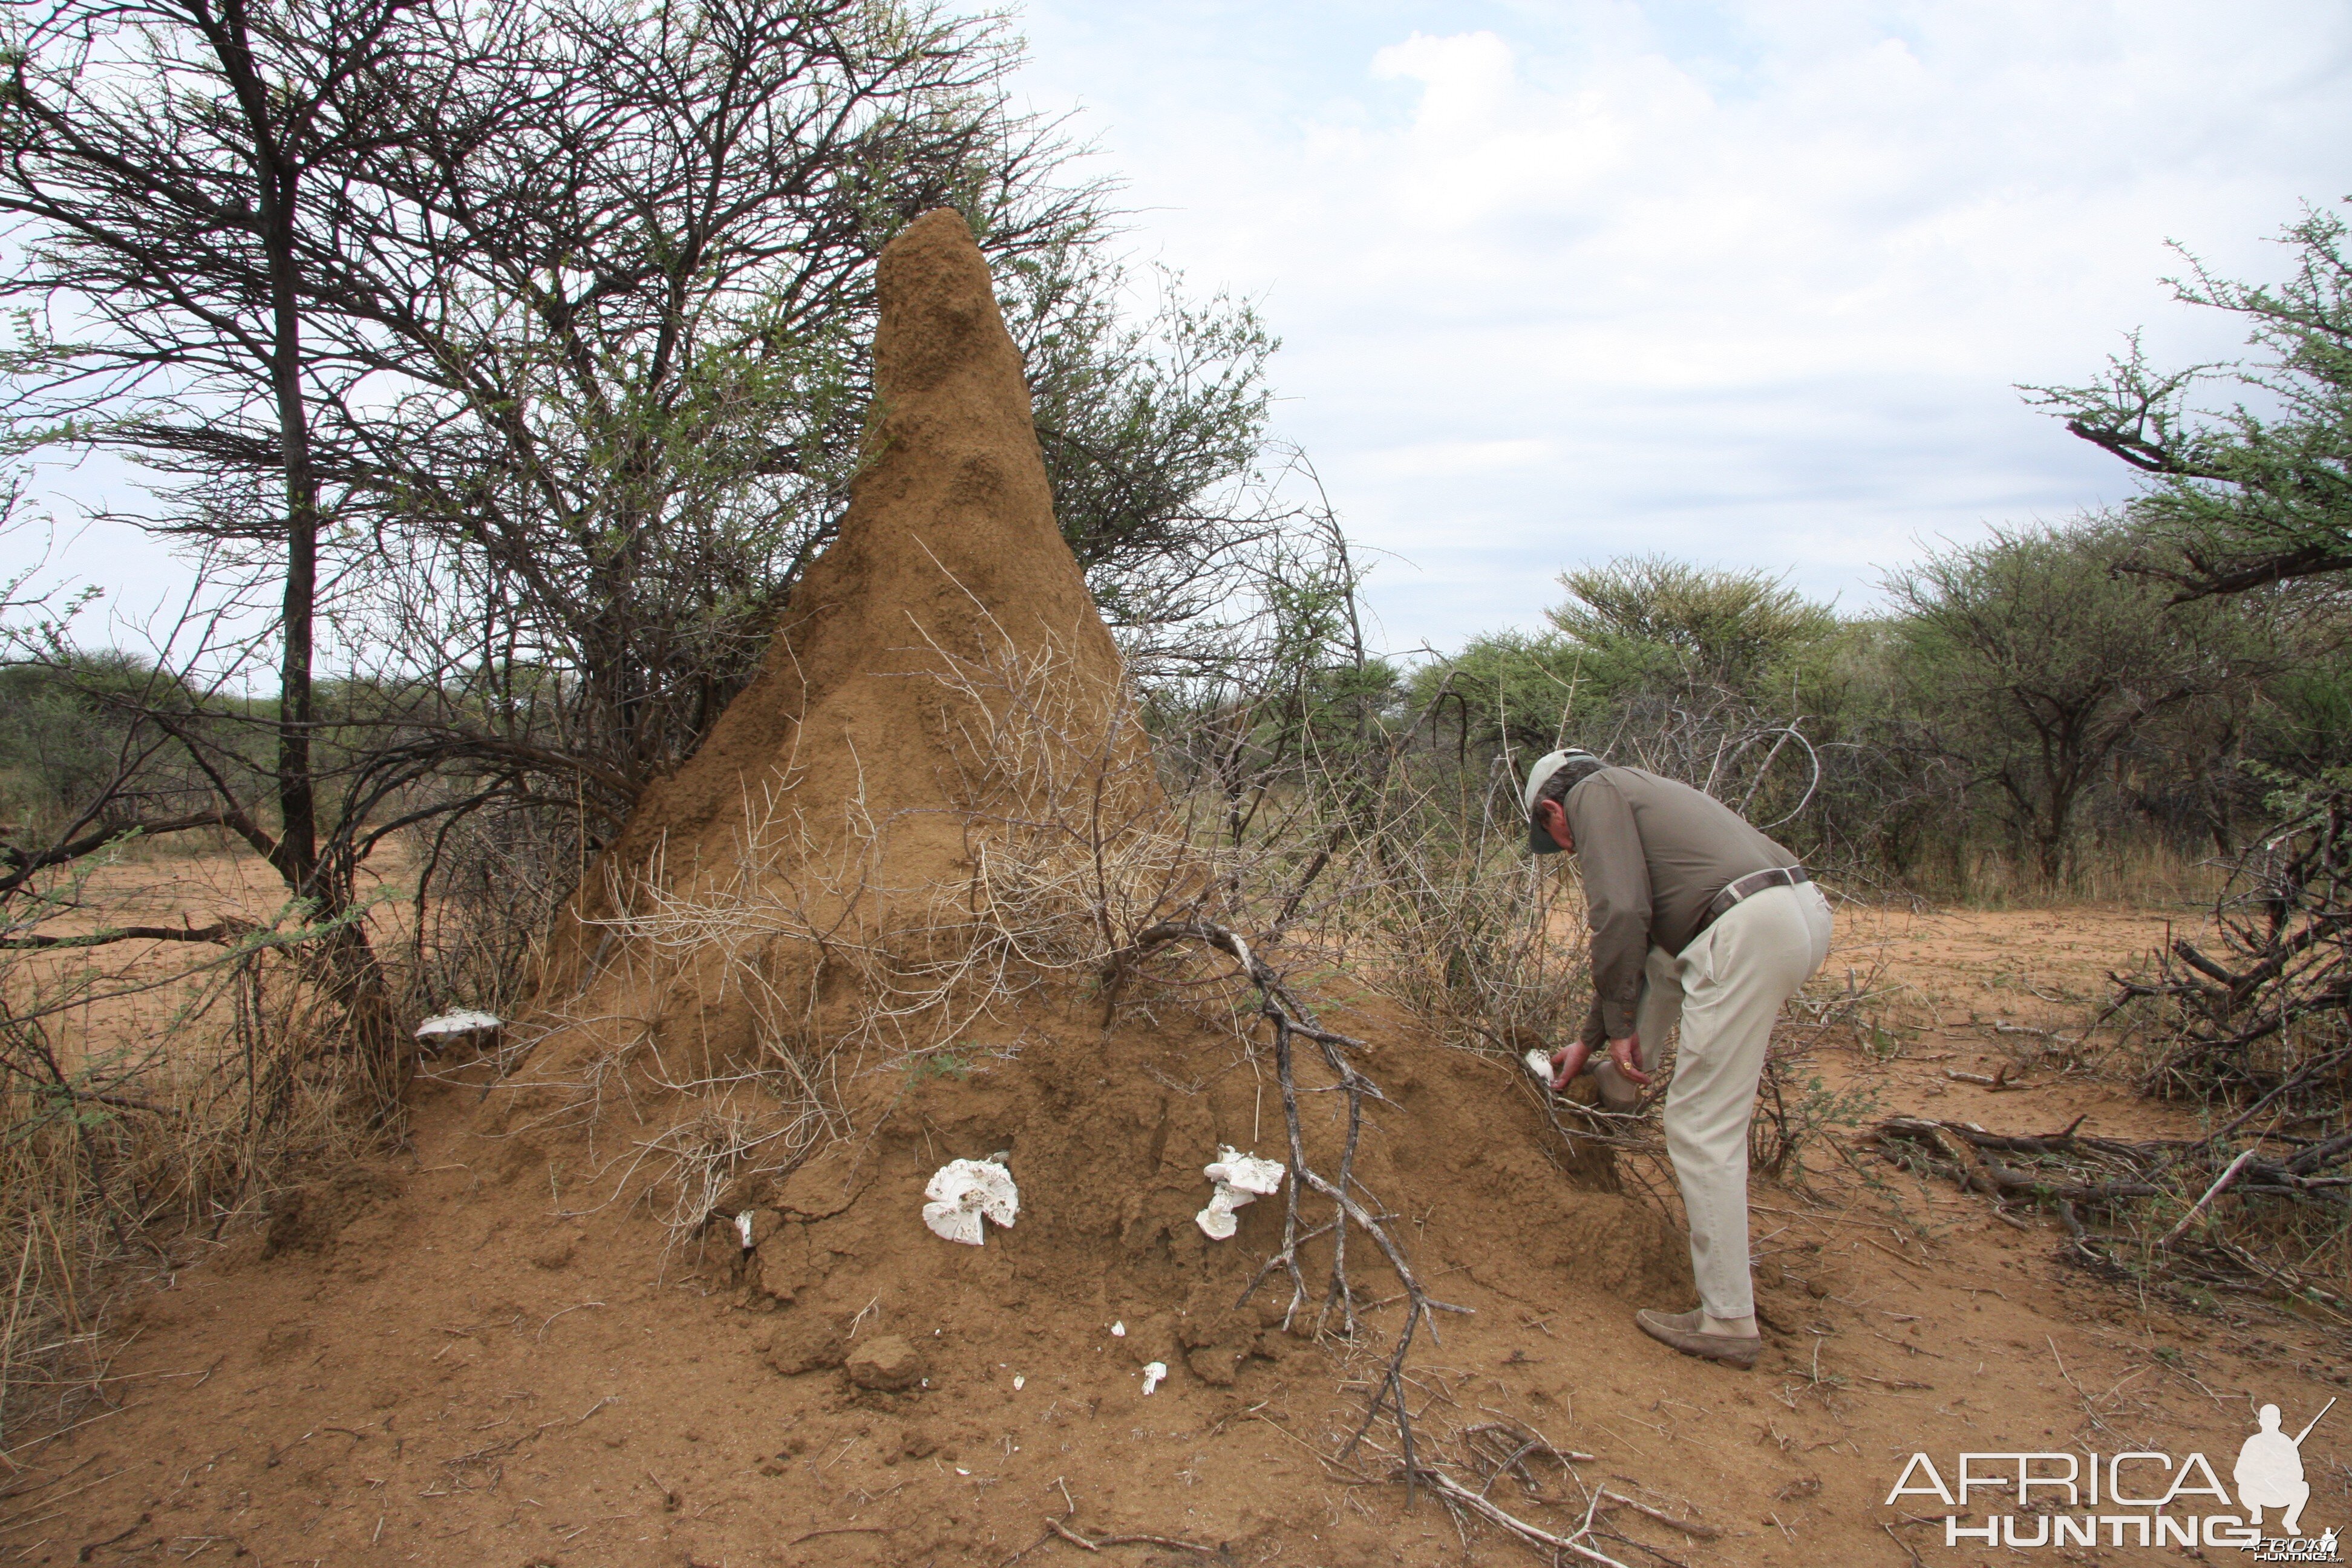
1546	765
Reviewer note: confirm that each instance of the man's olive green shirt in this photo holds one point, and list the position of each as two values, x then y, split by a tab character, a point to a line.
1653	854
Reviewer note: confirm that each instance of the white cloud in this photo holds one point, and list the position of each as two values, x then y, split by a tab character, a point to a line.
1747	282
1750	284
1441	460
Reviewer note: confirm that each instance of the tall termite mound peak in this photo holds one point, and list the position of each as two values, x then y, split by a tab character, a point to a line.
843	775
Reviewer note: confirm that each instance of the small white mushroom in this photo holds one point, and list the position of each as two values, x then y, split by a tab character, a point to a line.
1240	1179
1154	1372
743	1229
1119	1331
1017	1381
961	1191
446	1029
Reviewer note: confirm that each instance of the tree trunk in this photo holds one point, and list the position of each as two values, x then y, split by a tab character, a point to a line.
354	977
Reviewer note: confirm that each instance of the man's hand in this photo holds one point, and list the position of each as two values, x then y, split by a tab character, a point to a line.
1569	1060
1565	1063
1627	1056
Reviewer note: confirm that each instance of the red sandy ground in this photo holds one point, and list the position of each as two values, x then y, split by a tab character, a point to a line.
456	1375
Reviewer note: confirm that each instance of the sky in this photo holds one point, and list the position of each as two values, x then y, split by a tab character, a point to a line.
1748	284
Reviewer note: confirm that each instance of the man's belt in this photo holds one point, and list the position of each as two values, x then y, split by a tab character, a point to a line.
1747	887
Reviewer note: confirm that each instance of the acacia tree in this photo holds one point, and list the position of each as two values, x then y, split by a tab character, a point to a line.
2037	664
168	156
2260	491
582	319
1714	625
619	288
1707	674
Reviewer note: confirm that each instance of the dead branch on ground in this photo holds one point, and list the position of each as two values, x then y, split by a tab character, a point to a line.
2135	1185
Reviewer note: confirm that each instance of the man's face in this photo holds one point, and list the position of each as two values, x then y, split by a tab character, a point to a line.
1552	817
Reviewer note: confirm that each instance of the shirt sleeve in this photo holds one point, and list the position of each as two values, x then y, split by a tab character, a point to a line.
1616	876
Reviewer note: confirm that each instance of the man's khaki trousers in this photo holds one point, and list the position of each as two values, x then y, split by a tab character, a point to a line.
1726	988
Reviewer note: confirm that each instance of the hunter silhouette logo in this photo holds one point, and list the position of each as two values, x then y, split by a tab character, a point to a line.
2269	1470
2137	1498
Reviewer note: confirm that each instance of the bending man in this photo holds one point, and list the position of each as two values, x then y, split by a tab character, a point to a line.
1694	915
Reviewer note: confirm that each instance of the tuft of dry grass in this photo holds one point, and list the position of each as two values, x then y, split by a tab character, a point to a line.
2134	870
152	1093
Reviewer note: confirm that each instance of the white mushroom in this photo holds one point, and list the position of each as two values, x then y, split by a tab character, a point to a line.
447	1028
1153	1372
1240	1179
961	1191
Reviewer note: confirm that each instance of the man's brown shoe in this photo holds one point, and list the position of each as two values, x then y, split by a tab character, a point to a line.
1682	1331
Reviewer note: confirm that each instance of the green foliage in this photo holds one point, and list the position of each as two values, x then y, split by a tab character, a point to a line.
2260	491
2038	665
55	749
1147	427
1728	678
1514	691
1794	1117
1642	617
937	1064
2026	698
1636	630
2306	721
75	733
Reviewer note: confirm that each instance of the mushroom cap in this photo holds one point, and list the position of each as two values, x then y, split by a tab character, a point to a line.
1247	1173
977	1186
465	1021
953	1222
